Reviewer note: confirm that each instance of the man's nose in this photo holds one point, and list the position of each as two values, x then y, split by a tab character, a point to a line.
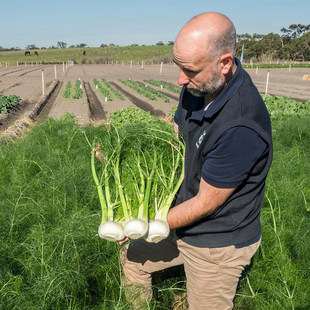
183	78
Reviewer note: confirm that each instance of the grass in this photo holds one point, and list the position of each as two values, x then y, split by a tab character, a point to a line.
49	218
276	66
126	54
52	258
280	275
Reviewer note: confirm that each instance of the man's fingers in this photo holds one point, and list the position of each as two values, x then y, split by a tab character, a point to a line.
123	241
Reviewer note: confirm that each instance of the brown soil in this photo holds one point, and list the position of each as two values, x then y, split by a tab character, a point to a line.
26	83
46	108
138	102
8	119
96	111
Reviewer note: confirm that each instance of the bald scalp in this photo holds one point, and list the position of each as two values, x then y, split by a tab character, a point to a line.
211	34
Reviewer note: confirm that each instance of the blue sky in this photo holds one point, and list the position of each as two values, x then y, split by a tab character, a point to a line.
45	22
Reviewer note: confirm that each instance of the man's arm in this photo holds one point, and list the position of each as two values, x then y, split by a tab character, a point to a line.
208	199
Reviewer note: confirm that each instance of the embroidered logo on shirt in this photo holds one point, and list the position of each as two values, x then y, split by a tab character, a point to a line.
200	139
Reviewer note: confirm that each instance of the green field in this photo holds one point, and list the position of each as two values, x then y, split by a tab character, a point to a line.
52	258
277	66
156	53
126	54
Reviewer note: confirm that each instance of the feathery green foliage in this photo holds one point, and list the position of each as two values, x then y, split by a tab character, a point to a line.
50	253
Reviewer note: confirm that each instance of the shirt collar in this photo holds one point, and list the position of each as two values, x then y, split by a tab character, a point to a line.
223	96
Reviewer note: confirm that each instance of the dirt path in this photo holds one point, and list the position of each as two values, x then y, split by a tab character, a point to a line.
97	113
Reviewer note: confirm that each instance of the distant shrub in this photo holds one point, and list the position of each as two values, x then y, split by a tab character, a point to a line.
99	60
165	59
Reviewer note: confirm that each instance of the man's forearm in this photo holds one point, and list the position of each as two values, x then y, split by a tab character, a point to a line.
208	199
186	213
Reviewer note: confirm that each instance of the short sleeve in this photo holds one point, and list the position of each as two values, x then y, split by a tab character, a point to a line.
233	157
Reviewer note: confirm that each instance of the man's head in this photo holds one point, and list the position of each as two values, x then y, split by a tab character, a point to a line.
204	50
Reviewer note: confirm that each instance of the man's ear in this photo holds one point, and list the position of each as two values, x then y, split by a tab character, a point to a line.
226	62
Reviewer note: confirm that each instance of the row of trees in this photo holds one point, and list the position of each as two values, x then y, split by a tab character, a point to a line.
292	44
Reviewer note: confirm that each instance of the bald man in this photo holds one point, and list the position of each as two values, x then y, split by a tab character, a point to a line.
215	223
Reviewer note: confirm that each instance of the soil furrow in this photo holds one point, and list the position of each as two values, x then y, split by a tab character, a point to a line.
138	102
15	113
18	71
96	111
12	86
44	110
29	71
163	92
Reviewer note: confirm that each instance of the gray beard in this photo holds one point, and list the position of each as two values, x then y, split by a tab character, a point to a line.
208	90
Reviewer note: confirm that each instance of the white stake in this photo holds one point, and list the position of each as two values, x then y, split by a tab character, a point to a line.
55	72
43	82
256	70
142	66
161	67
16	63
266	91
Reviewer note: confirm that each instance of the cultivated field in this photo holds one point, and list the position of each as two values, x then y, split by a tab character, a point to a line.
51	256
26	82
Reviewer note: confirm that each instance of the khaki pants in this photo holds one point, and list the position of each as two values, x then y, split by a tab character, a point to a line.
212	274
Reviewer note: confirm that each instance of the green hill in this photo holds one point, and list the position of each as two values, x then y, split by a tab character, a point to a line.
149	54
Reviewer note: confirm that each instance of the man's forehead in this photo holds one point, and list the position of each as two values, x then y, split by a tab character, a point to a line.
190	55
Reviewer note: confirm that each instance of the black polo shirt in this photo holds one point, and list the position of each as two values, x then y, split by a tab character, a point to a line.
236	151
228	145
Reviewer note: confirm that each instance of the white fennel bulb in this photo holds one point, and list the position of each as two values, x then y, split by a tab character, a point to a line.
158	230
111	231
136	228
